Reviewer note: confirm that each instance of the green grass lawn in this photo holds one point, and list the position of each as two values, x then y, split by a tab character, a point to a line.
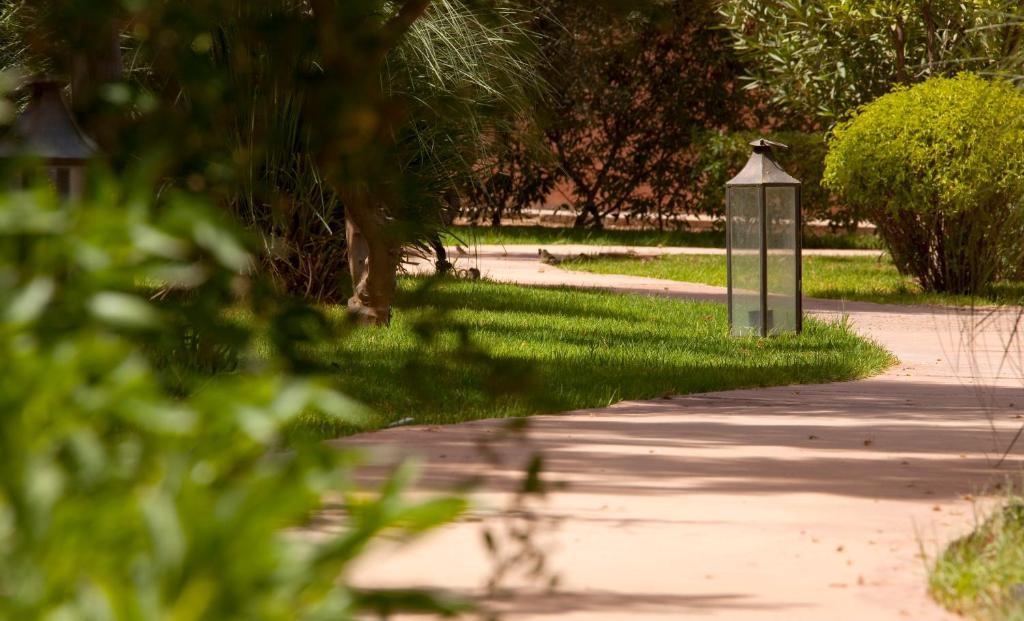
462	350
614	237
982	575
869	279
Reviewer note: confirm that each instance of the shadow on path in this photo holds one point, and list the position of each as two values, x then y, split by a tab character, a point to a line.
876	439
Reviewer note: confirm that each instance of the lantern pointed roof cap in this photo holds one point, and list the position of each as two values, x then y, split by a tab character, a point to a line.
768	144
46	128
762	169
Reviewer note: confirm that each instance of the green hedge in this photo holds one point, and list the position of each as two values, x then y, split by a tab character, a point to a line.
939	167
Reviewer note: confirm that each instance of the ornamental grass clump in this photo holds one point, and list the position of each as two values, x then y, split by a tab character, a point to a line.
939	168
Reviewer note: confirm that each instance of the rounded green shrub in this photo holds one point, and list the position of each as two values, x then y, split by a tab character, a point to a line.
939	168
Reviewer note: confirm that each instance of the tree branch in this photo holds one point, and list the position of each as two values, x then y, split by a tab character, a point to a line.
929	24
899	41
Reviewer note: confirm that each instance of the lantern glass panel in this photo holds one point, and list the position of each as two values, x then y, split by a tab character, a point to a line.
745	243
780	211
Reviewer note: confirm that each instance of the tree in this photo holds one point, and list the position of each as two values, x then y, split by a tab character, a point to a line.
276	105
518	173
458	90
827	58
629	92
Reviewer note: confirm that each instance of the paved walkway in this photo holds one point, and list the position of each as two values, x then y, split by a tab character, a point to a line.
801	502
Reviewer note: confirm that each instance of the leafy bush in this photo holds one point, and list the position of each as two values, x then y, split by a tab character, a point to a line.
125	494
722	155
823	58
939	167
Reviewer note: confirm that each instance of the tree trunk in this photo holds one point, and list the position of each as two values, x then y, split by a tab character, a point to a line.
932	37
899	41
589	212
373	262
374	254
442	264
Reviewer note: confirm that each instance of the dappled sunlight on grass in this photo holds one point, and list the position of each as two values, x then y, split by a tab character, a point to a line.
472	350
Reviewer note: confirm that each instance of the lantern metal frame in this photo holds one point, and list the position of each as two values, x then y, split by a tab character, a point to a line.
762	172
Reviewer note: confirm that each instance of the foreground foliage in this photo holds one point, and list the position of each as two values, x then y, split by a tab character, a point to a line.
982	575
124	492
866	279
504	350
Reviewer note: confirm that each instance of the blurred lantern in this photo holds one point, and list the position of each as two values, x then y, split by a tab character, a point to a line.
763	229
46	133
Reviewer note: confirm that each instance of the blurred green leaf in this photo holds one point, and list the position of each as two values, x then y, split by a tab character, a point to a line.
123	309
137	479
29	303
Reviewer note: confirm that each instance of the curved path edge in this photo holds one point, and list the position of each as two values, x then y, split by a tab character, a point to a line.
798	502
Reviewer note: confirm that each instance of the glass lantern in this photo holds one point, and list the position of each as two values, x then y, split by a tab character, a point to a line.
46	132
763	252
